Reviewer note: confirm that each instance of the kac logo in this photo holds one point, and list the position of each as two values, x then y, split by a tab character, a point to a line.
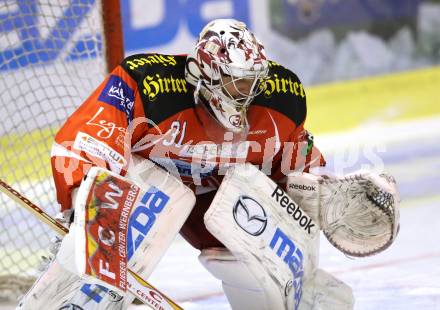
250	215
118	94
144	217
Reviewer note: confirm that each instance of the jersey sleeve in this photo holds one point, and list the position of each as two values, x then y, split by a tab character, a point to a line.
97	134
305	154
299	152
298	155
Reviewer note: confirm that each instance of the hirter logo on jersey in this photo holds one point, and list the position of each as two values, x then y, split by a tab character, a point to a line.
118	94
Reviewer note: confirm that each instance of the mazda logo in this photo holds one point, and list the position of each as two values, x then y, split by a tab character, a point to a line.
250	215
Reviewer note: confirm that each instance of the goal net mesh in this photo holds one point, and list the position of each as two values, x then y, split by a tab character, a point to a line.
50	61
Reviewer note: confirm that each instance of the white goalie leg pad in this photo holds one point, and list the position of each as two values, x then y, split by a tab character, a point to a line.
268	233
61	287
51	289
325	292
167	225
320	292
127	222
57	288
240	286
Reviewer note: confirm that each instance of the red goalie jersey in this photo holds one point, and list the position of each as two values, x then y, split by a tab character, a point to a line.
146	106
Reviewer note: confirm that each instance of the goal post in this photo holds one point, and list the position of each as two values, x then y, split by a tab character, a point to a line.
53	53
113	42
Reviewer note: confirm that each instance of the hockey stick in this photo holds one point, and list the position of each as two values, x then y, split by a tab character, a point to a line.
139	287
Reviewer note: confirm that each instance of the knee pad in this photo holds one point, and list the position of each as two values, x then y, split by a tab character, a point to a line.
324	291
239	284
57	288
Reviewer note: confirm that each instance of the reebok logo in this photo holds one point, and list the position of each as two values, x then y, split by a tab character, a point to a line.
293	209
303	187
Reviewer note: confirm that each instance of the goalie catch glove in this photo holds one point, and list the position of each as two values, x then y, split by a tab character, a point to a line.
358	213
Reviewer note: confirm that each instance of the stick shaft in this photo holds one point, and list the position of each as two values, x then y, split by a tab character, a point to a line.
31	207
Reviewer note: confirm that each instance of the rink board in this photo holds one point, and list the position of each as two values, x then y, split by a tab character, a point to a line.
394	97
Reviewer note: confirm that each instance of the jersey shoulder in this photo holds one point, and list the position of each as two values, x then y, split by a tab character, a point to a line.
140	65
161	84
283	91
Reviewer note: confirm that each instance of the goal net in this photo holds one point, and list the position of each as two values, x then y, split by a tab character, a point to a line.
52	55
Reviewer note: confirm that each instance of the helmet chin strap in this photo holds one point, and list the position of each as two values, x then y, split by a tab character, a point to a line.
201	92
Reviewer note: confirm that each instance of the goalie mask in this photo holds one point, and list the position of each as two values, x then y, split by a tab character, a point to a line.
227	67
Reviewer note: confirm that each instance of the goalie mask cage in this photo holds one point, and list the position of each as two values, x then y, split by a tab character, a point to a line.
53	53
